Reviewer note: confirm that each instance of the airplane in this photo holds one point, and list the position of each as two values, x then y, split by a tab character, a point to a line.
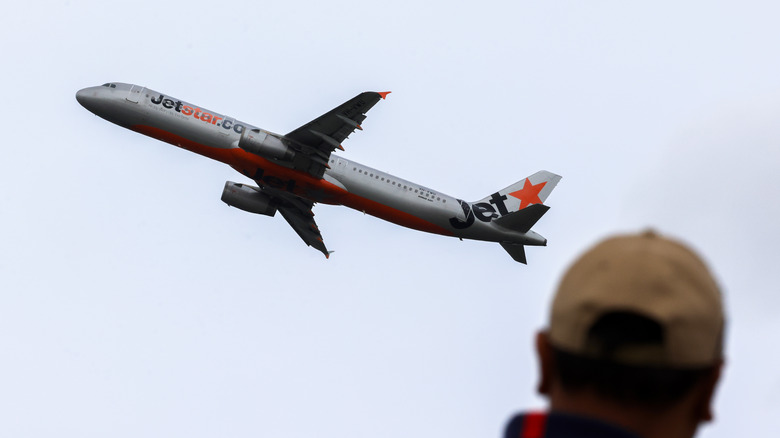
297	170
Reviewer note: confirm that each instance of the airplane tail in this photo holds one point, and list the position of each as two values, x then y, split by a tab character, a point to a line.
516	251
521	205
528	191
524	219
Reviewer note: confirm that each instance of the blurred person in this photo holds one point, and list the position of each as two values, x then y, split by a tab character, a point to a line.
634	347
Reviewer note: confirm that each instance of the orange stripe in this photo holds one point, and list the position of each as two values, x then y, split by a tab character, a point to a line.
244	162
305	185
391	214
237	158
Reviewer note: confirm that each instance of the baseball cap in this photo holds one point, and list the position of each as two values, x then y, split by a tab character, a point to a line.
653	277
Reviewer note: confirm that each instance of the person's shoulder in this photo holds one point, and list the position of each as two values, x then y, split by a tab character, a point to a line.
514	429
561	425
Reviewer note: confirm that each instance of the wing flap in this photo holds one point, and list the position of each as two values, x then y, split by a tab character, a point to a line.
298	213
305	227
318	138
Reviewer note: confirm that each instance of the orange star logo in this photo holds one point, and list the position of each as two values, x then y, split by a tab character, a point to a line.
529	194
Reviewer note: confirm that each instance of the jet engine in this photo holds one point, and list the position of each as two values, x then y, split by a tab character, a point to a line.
247	198
265	145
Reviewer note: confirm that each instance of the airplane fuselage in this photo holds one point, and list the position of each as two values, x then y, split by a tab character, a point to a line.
345	182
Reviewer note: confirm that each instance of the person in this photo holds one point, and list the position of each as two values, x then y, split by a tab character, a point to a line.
634	347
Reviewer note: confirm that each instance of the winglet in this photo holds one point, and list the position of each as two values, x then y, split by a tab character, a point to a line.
383	94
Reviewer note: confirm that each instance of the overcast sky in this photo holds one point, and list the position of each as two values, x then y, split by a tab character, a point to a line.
134	303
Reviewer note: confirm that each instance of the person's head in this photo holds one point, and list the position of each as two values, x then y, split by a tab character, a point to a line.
635	334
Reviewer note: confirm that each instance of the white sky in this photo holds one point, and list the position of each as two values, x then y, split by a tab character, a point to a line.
134	303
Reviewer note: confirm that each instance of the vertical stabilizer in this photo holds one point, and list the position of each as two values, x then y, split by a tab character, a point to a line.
528	191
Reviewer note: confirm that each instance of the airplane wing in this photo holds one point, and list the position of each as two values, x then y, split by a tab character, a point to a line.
298	213
317	139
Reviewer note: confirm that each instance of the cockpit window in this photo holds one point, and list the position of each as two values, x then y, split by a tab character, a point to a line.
109	85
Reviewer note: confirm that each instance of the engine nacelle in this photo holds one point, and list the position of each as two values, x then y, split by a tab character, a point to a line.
265	145
247	198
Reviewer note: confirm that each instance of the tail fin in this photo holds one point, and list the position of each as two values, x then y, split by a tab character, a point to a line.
531	190
521	205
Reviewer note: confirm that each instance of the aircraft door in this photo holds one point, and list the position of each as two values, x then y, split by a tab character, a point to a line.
135	93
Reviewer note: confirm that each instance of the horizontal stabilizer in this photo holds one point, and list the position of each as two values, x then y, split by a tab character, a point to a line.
515	250
524	219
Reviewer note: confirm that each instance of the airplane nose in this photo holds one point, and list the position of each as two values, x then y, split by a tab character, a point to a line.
85	96
91	98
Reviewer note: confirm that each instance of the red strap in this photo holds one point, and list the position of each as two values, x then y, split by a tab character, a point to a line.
533	425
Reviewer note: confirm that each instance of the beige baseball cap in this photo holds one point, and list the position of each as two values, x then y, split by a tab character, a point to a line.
654	277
